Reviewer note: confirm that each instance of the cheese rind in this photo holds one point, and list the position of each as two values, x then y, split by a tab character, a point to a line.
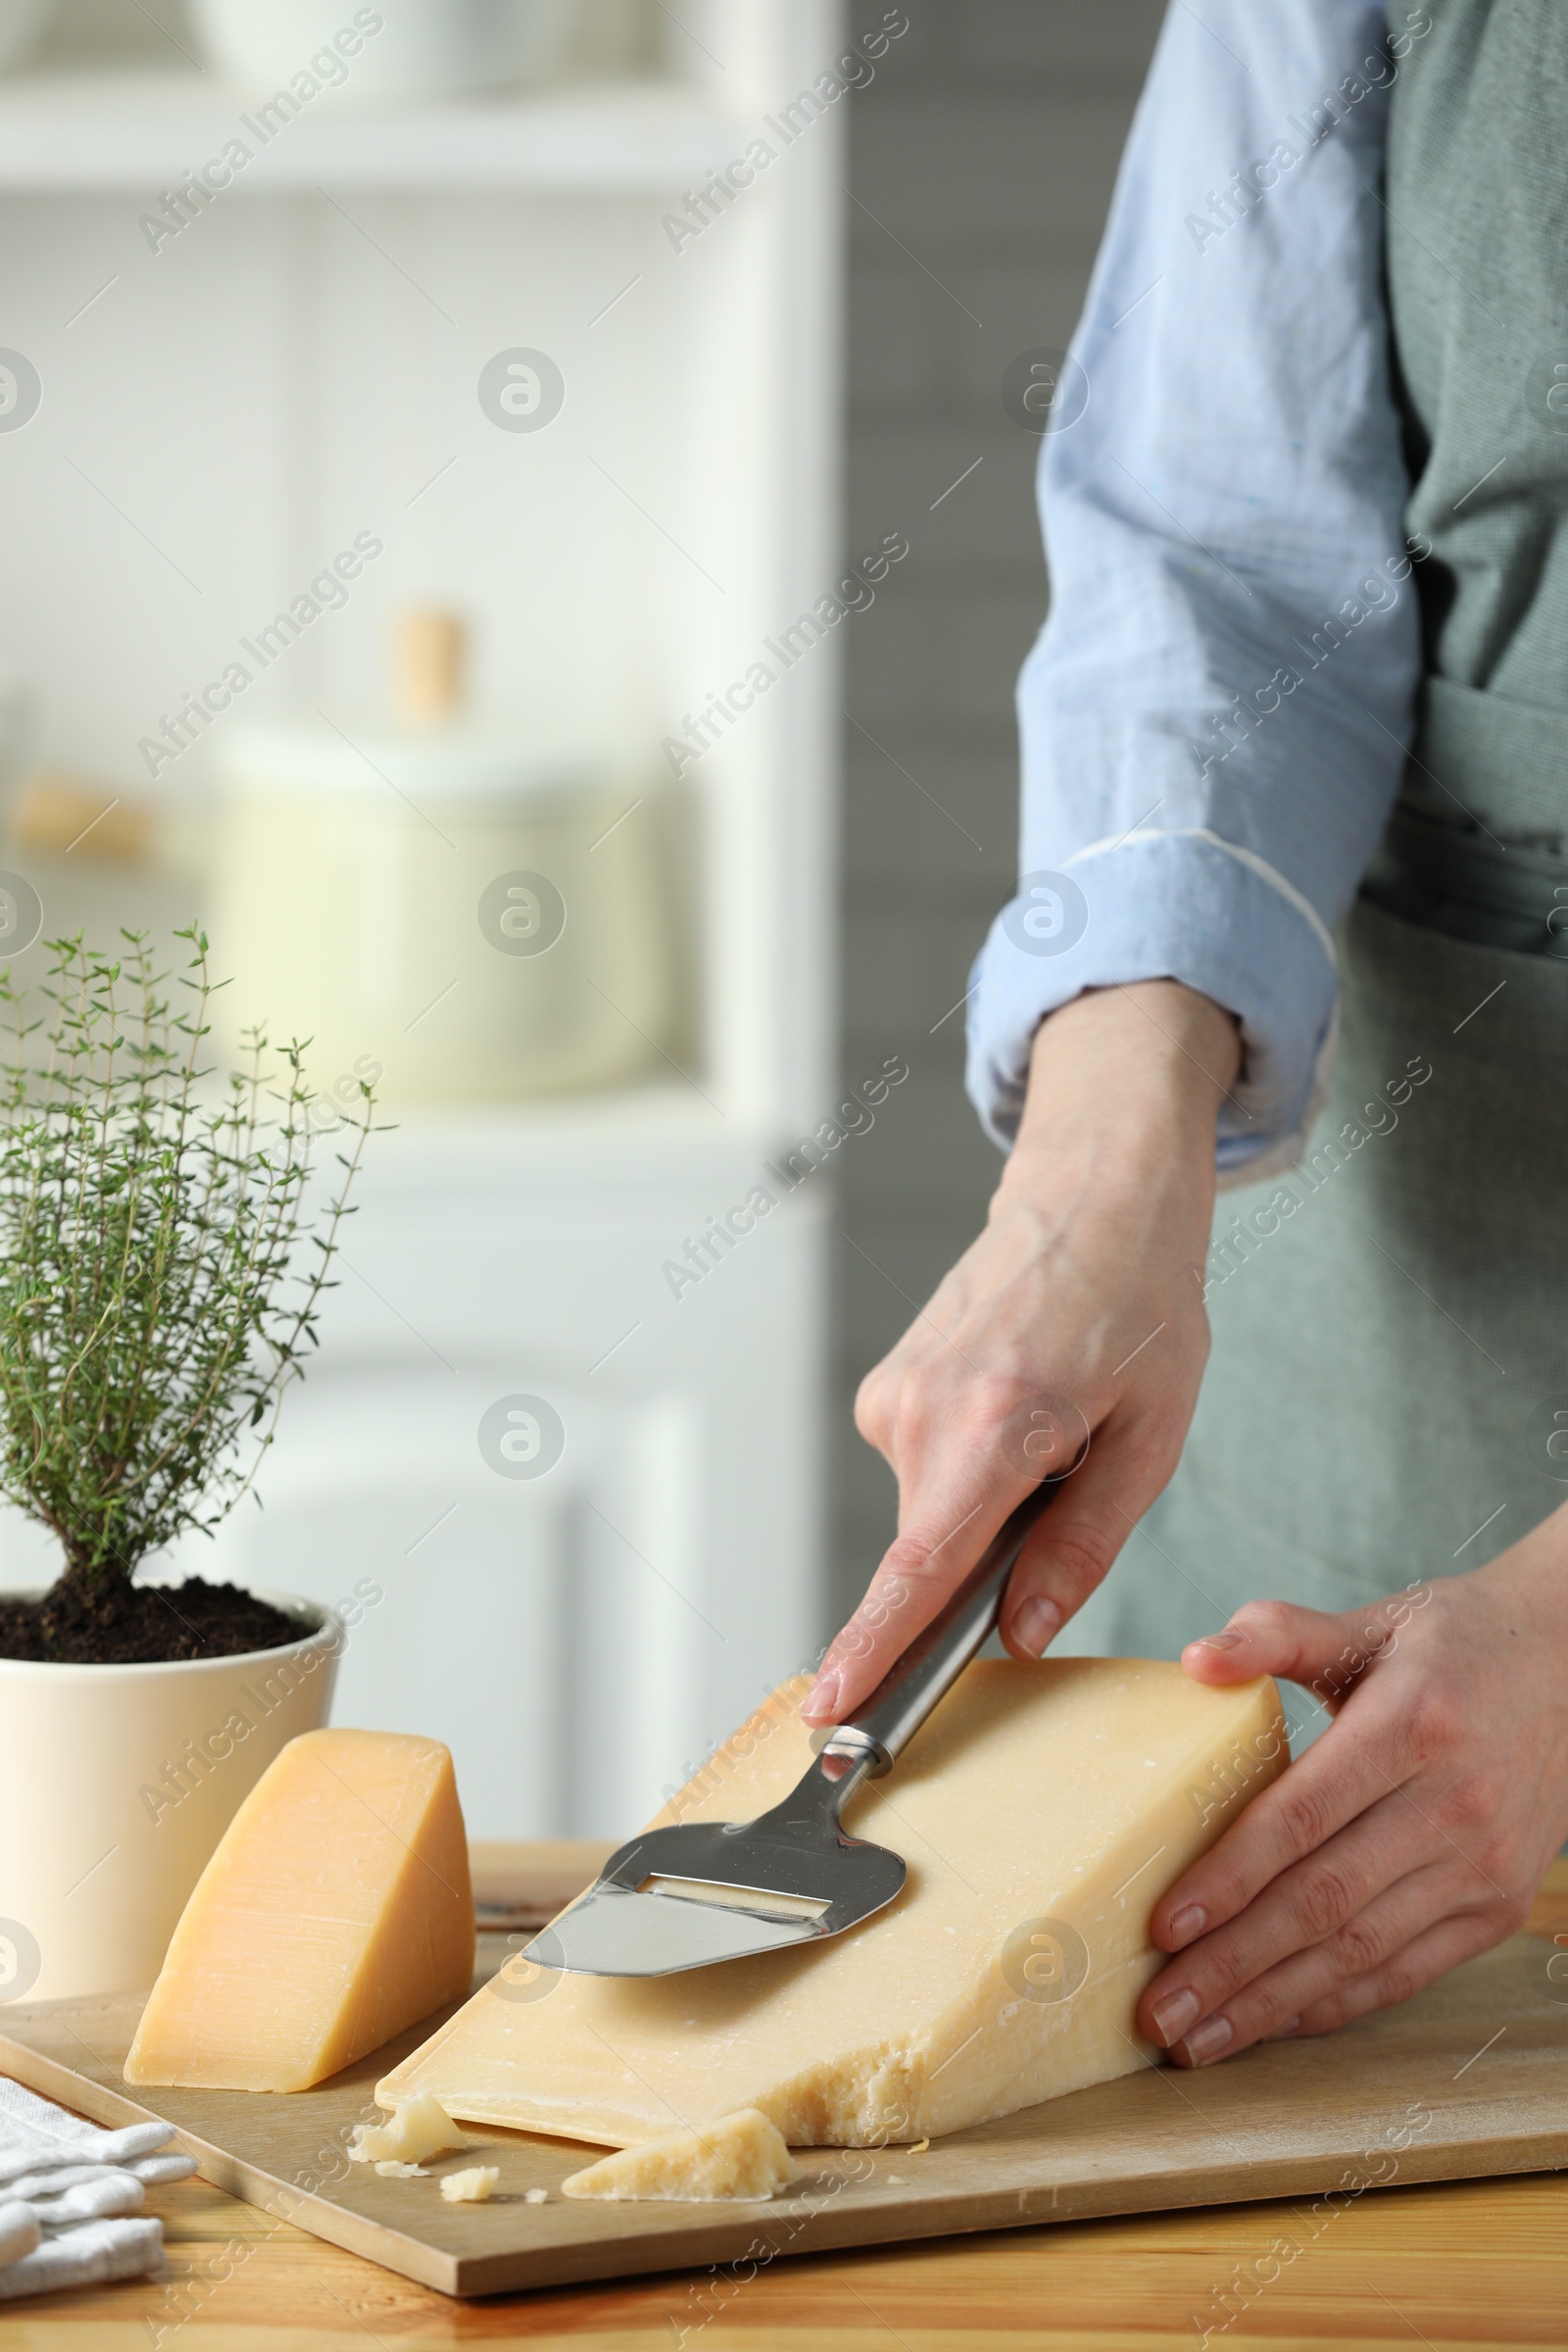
335	1913
740	2155
1043	1811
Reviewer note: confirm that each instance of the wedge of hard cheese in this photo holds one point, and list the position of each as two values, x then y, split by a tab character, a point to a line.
335	1913
1041	1811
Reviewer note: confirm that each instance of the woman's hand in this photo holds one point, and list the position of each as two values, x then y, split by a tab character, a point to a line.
1410	1837
1077	1315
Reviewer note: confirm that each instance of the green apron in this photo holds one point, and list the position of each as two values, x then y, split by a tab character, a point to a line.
1391	1319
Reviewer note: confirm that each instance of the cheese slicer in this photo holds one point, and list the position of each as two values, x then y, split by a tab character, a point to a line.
703	1891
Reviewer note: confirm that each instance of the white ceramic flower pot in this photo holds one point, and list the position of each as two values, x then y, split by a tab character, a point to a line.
116	1785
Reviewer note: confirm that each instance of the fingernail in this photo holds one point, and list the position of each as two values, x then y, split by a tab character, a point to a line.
1189	1922
1205	2041
1036	1623
1220	1642
821	1701
1175	2013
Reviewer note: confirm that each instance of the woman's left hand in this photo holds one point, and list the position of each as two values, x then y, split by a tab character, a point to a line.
1410	1837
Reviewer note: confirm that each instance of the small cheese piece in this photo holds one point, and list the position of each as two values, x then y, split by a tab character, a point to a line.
335	1913
740	2156
1042	1809
476	2186
420	2126
402	2171
536	2197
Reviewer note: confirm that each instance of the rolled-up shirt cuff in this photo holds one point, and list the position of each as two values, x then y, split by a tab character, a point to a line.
1153	906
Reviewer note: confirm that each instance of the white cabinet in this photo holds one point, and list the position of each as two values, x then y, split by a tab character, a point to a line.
301	363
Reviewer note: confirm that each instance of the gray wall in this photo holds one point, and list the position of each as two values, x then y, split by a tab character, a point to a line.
982	161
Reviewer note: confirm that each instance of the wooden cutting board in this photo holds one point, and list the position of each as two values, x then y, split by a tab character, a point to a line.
1471	2079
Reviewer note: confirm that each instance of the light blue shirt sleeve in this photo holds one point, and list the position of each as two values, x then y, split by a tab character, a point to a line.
1213	718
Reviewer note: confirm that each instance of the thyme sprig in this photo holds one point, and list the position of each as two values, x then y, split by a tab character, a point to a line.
153	1311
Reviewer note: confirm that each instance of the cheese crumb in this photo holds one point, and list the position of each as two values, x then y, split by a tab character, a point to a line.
919	2148
536	2197
740	2155
419	2128
390	2169
471	2187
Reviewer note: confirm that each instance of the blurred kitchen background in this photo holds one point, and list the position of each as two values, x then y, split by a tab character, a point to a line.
411	457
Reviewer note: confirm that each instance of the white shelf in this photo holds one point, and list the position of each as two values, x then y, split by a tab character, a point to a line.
147	130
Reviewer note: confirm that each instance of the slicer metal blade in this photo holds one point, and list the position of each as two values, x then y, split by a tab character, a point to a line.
599	1937
684	1897
703	1891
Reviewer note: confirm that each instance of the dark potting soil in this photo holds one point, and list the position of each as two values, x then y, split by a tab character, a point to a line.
141	1625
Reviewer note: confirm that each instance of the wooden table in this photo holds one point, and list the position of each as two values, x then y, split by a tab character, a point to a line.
1470	2263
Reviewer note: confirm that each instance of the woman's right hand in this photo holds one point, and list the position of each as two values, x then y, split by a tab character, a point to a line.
1076	1317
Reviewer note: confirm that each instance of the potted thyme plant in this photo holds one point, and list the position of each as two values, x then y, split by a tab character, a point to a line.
154	1312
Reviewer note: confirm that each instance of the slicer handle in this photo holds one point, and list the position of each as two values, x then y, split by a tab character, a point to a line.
937	1656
